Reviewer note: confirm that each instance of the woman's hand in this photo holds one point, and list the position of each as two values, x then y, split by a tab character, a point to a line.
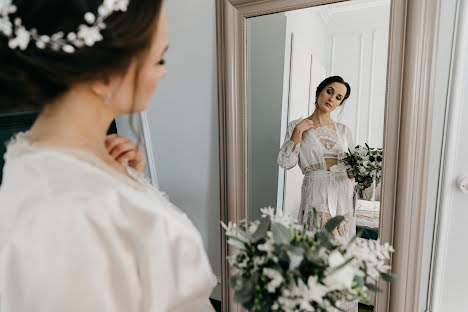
300	128
122	149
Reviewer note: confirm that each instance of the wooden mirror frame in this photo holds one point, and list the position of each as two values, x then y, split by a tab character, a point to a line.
407	132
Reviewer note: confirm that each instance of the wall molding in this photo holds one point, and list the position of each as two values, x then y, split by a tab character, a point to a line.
371	86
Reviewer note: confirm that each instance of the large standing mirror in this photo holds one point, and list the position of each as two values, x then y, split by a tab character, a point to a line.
285	125
289	55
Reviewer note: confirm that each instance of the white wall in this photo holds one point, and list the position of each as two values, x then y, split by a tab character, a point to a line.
265	58
183	119
357	42
349	39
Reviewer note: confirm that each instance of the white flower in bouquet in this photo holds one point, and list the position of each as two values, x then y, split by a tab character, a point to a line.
276	279
316	291
342	278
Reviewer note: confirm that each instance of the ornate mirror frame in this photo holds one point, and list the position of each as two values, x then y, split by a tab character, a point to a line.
409	101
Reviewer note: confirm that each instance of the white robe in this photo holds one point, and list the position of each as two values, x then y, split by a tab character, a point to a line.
76	236
330	193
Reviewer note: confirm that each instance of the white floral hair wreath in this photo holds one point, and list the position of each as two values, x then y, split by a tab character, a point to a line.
86	35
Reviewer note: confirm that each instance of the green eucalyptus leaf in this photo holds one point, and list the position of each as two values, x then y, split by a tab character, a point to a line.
333	223
247	292
244	234
389	277
243	297
295	250
373	287
281	234
359	280
262	230
237	282
324	237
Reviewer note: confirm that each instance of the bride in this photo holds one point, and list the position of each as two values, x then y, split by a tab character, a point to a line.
80	229
315	144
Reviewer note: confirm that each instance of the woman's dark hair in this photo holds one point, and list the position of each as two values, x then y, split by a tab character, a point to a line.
33	77
331	80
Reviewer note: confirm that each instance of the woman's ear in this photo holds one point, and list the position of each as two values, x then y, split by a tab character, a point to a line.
101	86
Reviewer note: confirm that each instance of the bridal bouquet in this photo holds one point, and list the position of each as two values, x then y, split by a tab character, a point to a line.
281	266
365	165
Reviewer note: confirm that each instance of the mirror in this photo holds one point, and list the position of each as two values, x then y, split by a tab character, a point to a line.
289	55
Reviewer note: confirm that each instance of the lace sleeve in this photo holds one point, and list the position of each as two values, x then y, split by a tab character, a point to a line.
287	157
289	154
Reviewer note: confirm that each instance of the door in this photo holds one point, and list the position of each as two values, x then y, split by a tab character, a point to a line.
451	252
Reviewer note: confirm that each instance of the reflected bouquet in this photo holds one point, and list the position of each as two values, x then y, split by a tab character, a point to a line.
365	165
279	265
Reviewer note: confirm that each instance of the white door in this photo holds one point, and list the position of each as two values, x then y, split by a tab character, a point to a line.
451	275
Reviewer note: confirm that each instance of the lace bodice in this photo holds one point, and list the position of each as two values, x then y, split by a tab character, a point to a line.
326	136
316	145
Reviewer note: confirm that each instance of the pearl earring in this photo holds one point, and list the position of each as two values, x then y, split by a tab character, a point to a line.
107	98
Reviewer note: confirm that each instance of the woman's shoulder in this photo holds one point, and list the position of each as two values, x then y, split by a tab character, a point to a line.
57	180
136	213
342	127
294	122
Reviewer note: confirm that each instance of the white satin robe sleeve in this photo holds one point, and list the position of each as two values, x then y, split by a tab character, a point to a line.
101	255
288	156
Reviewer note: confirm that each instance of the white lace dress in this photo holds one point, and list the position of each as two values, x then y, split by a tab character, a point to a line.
75	235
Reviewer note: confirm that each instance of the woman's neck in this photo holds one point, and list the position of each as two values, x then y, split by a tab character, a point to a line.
77	120
320	117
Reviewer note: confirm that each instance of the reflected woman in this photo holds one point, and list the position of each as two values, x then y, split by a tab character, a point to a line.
315	144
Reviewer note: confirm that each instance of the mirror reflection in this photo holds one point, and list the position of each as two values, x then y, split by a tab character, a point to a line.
316	81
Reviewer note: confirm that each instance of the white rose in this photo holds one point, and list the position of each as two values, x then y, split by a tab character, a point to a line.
276	279
335	259
341	279
316	290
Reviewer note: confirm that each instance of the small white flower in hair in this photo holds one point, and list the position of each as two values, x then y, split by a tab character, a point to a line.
90	35
6	7
5	26
21	40
19	36
121	5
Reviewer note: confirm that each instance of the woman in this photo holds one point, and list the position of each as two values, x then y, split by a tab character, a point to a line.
80	230
315	143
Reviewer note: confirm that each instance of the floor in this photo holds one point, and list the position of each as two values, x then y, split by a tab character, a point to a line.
216	305
364	308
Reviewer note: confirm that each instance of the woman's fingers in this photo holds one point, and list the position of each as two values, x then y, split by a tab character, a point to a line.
114	140
126	157
122	148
